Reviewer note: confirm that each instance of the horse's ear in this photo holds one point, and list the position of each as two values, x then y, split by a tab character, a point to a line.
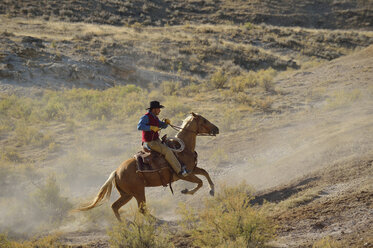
194	114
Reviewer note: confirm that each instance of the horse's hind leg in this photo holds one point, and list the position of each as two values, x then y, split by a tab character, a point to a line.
200	171
192	178
141	202
123	199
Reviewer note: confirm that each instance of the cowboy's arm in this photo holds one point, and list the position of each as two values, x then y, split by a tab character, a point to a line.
162	124
143	124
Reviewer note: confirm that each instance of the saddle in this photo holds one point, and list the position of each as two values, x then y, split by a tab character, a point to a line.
151	163
148	160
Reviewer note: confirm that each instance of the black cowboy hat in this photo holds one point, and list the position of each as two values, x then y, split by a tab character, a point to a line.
155	104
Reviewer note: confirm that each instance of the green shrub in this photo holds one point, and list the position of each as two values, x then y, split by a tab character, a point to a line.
52	207
265	78
140	231
252	102
6	125
11	155
243	98
248	25
311	63
228	221
231	119
327	242
28	135
15	107
74	105
190	90
343	98
122	91
100	110
50	241
6	103
4	242
218	80
54	110
85	105
169	88
262	78
133	108
243	82
264	104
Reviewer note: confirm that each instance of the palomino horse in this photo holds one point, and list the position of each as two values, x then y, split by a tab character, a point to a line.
130	184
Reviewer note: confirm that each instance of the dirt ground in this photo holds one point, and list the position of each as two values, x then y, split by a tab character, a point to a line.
342	209
311	163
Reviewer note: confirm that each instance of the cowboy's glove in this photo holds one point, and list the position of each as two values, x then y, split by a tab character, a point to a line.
167	121
154	128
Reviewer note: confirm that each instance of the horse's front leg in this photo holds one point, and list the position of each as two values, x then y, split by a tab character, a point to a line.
200	171
192	178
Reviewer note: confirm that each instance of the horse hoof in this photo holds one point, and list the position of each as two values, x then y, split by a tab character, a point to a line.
212	192
184	191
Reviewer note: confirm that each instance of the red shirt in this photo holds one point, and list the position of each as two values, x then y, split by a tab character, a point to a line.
150	135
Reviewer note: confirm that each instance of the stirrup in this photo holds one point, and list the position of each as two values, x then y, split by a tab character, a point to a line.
183	172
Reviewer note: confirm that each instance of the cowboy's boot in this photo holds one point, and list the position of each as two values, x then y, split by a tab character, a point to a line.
184	172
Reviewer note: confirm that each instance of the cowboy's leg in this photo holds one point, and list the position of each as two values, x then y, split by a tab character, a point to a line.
157	146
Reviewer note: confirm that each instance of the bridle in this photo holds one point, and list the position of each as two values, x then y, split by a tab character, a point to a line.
196	132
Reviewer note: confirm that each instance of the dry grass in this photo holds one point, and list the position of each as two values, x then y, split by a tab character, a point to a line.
327	242
139	231
195	49
146	13
342	98
50	241
228	221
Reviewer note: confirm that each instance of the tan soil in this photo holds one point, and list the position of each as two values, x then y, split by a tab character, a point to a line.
330	156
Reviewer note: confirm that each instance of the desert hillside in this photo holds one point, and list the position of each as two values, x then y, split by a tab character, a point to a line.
337	14
288	83
65	55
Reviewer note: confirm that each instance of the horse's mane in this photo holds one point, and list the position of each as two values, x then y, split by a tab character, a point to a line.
186	121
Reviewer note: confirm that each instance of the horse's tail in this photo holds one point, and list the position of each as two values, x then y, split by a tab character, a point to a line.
105	190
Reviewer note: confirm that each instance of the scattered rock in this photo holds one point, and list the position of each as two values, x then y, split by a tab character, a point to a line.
60	70
318	225
27	52
34	41
4	72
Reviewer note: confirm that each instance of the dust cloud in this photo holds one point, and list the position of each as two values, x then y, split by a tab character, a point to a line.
272	150
289	147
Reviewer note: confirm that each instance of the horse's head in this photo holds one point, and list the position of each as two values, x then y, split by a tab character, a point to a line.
202	126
